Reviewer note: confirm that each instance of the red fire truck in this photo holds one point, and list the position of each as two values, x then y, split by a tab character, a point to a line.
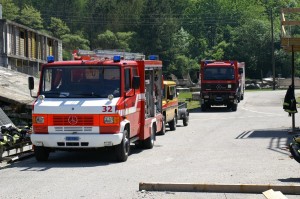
100	99
222	83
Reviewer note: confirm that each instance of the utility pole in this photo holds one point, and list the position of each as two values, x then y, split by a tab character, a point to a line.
273	57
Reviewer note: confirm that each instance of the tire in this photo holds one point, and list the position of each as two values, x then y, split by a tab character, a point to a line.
186	120
1	152
172	124
163	130
123	149
41	153
149	142
242	97
234	107
294	151
204	107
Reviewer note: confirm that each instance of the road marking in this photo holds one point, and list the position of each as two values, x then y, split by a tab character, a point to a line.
261	112
229	118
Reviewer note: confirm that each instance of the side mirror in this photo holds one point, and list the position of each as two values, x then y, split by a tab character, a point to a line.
30	83
136	81
241	71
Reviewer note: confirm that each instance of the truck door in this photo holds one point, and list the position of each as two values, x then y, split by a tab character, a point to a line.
132	99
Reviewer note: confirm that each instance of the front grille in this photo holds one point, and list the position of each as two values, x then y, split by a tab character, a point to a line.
219	87
73	129
81	120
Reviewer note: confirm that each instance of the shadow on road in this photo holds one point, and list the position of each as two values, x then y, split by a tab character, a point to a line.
279	138
290	180
214	109
74	159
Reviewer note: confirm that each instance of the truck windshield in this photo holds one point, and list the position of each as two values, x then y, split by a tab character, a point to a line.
80	81
219	73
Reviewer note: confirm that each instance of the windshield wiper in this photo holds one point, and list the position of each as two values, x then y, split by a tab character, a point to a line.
61	94
92	94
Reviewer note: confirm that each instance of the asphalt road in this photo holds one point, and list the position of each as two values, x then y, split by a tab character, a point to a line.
242	147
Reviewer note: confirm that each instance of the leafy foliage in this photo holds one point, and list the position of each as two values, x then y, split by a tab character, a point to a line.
31	17
10	10
181	32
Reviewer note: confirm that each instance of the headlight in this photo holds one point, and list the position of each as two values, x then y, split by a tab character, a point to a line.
39	120
229	85
108	120
231	97
206	97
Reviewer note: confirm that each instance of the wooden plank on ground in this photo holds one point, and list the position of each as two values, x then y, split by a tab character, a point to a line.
219	188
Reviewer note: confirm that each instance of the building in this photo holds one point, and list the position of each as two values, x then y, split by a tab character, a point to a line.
24	49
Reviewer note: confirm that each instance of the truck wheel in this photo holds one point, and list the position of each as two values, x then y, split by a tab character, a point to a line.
242	97
163	130
123	149
149	142
203	107
234	107
41	153
186	120
172	124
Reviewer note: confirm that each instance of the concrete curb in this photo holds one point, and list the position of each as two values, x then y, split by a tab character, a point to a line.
219	188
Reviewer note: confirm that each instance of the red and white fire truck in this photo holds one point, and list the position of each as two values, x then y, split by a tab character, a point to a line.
222	83
99	99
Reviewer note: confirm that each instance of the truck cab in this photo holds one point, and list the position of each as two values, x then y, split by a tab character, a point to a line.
173	110
170	104
222	83
97	100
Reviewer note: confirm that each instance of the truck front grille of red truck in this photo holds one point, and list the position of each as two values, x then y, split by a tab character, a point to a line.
219	87
81	120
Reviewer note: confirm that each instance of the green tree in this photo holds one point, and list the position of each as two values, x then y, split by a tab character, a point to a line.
119	40
31	17
72	42
125	40
157	24
10	10
251	44
107	40
58	27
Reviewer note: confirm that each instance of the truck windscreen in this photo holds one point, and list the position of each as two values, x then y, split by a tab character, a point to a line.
219	73
80	81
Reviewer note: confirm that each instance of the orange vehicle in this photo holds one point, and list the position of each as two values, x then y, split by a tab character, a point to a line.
100	99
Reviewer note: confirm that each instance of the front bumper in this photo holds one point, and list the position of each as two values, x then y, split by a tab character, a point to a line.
66	141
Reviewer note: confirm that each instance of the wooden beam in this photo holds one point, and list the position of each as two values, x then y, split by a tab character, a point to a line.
290	23
290	10
219	188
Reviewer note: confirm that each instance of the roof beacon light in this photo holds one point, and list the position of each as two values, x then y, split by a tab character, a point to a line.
117	58
153	57
50	59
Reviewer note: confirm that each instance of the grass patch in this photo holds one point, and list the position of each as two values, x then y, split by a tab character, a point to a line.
187	98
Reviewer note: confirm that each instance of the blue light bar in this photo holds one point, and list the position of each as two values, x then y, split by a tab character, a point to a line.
50	59
117	58
153	57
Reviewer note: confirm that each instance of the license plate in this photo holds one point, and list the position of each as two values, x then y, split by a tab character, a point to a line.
72	138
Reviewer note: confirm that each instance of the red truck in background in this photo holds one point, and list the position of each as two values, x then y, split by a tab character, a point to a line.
99	99
222	83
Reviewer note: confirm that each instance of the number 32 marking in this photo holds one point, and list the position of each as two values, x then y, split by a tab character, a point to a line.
106	108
